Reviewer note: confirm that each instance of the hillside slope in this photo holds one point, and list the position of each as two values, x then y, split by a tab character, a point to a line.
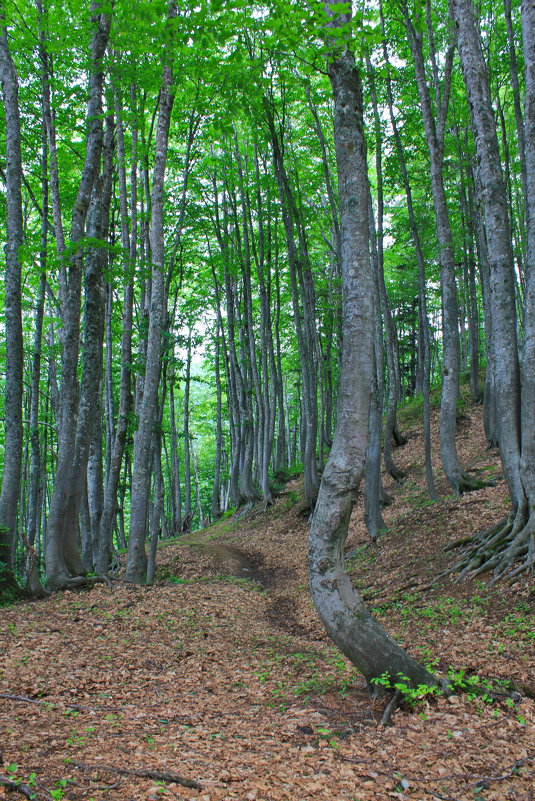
221	673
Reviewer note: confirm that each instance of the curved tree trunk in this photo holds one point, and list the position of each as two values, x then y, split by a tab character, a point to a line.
348	622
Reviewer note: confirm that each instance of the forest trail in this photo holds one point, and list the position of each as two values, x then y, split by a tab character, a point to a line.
221	673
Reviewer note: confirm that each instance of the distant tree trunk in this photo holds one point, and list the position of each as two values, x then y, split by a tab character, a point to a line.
197	487
372	475
176	495
434	133
340	607
30	571
392	358
281	451
129	244
136	563
216	504
187	435
157	520
302	287
515	85
11	479
424	320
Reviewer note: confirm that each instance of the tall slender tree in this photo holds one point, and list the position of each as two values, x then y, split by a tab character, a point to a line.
347	620
11	479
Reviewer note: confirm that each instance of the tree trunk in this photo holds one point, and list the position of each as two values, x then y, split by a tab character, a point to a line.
136	563
129	244
63	562
340	607
434	133
513	540
11	479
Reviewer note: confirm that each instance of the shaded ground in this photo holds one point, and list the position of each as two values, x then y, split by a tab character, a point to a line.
221	673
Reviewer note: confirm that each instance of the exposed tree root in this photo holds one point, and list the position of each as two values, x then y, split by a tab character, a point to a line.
9	588
143	773
395	472
398	438
391	707
19	787
79	582
506	549
467	483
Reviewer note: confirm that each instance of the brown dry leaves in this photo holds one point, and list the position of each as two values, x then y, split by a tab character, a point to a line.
237	687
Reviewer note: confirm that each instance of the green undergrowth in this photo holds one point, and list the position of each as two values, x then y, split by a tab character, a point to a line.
290	675
166	575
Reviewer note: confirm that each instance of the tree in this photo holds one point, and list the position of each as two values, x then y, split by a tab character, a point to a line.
347	620
63	562
137	561
9	495
435	127
512	539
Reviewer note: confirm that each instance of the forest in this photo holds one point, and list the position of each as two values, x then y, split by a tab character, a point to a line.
239	237
267	366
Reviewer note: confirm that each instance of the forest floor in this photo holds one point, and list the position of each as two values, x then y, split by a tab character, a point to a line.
221	673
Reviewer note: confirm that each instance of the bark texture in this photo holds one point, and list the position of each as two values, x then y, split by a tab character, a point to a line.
136	563
339	605
11	479
511	541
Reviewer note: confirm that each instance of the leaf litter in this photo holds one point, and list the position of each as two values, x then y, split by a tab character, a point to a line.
220	675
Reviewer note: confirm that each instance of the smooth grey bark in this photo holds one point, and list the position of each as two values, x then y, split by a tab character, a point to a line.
216	491
238	415
281	450
257	432
515	85
157	521
34	495
176	493
303	305
13	434
187	436
527	460
372	471
434	134
89	423
340	607
64	566
507	543
136	563
48	117
129	245
470	289
424	320
267	366
392	358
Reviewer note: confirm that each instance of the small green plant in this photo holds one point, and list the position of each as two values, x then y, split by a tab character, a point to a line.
327	735
412	696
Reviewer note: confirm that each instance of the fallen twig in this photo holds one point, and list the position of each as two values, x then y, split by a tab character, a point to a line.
20	787
41	702
82	708
512	772
142	773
